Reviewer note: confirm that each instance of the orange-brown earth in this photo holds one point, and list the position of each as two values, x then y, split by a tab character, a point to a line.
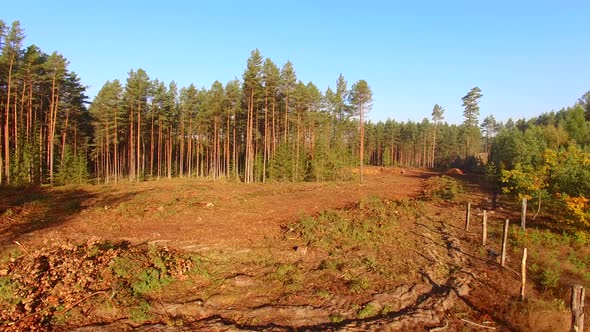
187	212
413	267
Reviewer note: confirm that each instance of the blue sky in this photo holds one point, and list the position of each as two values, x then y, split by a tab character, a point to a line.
527	57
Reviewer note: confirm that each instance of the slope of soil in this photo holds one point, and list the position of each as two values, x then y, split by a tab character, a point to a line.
185	255
189	212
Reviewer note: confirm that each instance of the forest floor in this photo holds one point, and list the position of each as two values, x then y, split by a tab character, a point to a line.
187	213
188	254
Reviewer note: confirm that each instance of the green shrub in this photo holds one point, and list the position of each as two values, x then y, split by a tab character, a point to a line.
550	277
367	311
577	262
581	238
359	284
141	312
336	318
290	276
8	291
441	187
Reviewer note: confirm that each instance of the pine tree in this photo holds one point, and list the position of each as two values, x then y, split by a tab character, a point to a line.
437	116
470	124
270	76
288	80
232	100
10	57
252	86
216	102
136	93
106	112
56	67
171	109
488	127
340	97
31	74
361	97
188	112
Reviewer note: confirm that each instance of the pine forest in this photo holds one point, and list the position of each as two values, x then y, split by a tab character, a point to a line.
270	203
266	126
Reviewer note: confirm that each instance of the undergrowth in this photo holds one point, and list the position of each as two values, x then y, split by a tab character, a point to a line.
365	244
441	188
554	256
53	284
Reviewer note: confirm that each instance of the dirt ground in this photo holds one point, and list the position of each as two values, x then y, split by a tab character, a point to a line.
190	213
258	268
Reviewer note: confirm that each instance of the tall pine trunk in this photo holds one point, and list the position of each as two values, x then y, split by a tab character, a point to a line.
152	144
362	143
159	146
6	124
181	142
235	150
116	154
433	145
51	129
131	147
266	136
227	139
63	137
190	147
169	150
138	149
107	151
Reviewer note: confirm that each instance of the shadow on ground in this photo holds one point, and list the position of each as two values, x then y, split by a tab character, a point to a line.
26	210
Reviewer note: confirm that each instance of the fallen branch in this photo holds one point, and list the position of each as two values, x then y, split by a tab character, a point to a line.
440	328
10	218
23	247
84	299
478	325
44	310
28	316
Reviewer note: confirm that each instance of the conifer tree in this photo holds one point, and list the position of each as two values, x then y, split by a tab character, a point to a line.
10	57
232	105
270	75
252	86
470	124
56	67
340	97
437	116
361	97
488	127
136	93
288	80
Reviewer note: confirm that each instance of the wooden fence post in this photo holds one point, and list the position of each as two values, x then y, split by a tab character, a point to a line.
523	274
484	228
523	214
578	294
504	242
467	216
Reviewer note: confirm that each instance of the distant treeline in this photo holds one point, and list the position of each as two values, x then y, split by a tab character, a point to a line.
267	126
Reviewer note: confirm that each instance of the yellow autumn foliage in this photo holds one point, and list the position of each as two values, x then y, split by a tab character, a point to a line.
578	208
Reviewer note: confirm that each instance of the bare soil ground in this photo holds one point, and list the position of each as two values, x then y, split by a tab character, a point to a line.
261	257
188	212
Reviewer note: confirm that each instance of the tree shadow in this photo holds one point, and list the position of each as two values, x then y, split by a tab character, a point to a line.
24	211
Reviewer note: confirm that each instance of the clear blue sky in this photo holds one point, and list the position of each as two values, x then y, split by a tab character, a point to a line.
527	57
